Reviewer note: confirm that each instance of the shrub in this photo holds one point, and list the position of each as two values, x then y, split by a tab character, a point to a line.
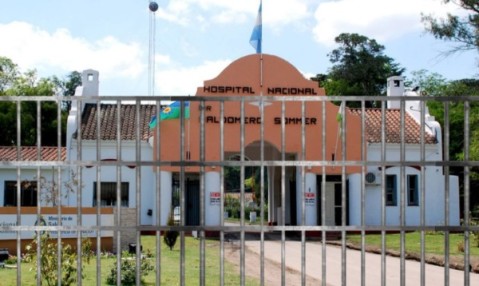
128	271
49	260
170	236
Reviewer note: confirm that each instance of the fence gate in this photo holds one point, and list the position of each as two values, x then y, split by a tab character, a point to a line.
292	191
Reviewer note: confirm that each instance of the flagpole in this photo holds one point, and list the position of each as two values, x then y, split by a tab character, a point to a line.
261	48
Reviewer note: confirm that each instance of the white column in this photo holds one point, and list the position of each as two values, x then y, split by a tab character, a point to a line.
310	196
166	194
212	202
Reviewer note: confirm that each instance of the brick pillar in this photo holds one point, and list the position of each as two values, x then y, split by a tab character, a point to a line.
127	219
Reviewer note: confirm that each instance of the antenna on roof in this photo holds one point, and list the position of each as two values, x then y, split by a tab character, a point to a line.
153	6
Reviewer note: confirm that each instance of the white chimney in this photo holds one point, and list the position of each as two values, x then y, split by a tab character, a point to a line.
89	87
395	88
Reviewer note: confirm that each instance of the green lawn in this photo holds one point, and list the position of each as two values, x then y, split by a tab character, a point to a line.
170	266
434	242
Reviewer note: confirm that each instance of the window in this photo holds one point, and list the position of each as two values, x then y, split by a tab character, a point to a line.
108	194
391	190
28	194
412	190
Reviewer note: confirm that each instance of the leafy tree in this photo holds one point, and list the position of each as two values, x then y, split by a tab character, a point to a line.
14	83
463	30
436	86
8	73
68	86
360	67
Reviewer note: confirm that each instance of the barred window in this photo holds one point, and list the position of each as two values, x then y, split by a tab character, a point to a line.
108	194
28	194
391	190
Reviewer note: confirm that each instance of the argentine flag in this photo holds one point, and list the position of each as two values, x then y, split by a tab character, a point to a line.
257	34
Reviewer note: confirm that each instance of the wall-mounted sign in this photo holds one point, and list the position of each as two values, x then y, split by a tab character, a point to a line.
52	220
257	120
215	198
310	199
276	90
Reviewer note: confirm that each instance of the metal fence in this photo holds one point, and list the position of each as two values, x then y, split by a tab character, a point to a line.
293	241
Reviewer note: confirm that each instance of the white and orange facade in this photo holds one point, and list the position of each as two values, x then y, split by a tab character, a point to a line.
314	151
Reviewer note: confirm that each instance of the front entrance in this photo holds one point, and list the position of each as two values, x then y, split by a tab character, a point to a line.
333	207
192	200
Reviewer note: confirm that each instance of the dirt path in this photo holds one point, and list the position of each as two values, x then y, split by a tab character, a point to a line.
272	269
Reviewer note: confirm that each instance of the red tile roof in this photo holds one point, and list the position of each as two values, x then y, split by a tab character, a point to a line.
108	121
412	130
29	153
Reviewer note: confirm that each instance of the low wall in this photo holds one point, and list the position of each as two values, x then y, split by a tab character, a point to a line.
49	217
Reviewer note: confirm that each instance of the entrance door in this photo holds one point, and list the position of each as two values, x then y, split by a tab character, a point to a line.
333	208
192	202
330	204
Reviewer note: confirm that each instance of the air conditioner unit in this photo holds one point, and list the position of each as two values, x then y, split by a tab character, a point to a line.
372	178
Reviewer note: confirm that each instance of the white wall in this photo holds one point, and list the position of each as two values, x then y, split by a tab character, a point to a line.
434	200
108	151
28	174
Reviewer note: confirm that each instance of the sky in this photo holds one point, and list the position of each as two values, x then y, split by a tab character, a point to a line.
195	40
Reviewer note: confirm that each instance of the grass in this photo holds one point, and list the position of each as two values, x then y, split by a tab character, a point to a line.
170	266
434	242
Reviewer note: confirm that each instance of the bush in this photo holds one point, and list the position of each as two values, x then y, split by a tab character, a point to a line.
12	259
170	236
128	272
49	260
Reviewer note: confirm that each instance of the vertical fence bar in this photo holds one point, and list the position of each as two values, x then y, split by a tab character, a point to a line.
182	195
363	192
402	184
98	192
467	221
202	192
158	189
383	194
38	180
343	196
323	194
446	207
242	197
303	190
283	194
422	199
18	190
262	104
138	189
118	192
222	190
57	189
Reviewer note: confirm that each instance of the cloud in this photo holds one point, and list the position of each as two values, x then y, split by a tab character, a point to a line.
194	12
377	19
176	80
33	48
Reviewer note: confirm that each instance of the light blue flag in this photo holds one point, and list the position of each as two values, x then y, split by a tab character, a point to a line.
257	34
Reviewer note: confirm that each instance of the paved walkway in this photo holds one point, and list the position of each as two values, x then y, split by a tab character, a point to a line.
434	274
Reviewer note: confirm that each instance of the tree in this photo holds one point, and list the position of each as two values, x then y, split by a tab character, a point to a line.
360	67
8	73
437	86
14	83
463	30
68	86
